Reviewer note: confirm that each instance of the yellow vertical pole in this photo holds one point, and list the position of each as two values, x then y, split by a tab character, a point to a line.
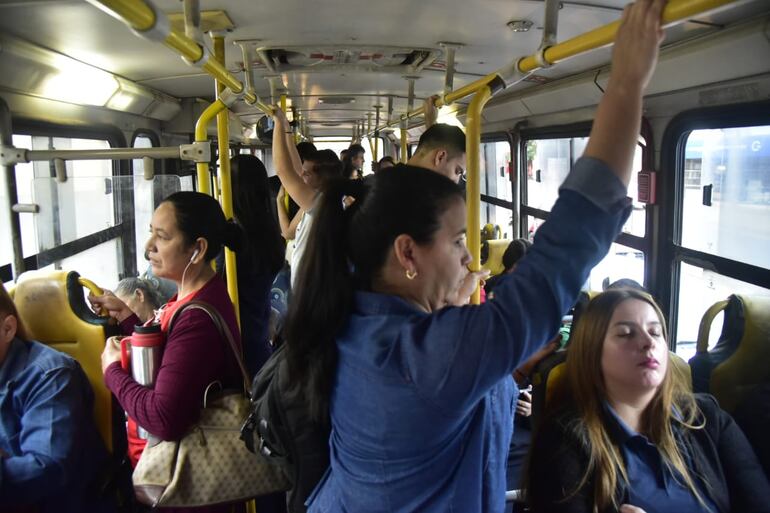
283	103
226	195
201	135
404	141
473	187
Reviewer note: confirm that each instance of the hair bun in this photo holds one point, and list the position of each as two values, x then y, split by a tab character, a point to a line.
233	235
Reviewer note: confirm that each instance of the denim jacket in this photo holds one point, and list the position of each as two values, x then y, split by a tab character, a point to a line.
422	404
51	450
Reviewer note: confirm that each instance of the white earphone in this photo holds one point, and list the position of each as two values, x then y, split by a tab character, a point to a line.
195	254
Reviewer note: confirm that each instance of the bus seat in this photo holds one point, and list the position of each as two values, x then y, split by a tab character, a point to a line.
552	369
53	308
494	262
738	361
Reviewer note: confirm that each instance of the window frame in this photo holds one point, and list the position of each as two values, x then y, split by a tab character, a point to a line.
495	137
671	192
123	230
583	129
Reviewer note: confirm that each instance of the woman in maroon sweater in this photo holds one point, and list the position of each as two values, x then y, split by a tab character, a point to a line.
187	231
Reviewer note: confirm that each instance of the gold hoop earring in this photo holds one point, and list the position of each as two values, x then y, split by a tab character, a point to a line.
410	275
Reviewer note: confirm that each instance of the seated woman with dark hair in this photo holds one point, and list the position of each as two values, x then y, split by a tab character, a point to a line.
624	429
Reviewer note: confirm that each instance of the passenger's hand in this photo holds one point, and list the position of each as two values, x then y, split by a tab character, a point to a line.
279	116
111	353
110	302
636	44
627	508
463	294
524	404
431	113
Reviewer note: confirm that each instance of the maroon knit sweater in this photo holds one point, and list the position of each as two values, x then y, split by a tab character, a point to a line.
194	356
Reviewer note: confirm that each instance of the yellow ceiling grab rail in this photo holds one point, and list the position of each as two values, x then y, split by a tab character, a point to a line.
676	11
147	21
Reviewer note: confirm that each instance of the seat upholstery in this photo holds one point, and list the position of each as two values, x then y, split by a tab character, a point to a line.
53	308
740	356
494	261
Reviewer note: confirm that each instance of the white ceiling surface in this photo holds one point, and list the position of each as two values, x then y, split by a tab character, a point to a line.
85	33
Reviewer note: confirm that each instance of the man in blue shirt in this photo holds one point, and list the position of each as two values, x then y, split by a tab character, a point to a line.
50	450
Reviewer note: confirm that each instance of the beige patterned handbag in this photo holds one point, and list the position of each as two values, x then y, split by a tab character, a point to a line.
210	464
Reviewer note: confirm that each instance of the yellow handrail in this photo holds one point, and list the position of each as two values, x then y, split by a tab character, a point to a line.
225	180
473	187
201	135
143	17
675	11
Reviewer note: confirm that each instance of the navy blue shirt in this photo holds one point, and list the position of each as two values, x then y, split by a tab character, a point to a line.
422	404
53	452
651	483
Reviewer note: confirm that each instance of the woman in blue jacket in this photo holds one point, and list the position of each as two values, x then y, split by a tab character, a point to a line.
419	392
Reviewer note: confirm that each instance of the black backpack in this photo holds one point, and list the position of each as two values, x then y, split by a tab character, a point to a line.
281	429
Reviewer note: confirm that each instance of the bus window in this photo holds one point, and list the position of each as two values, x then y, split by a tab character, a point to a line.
699	289
495	185
621	262
725	209
549	161
58	221
144	203
726	200
337	145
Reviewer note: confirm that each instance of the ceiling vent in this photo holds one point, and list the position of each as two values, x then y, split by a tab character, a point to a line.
388	59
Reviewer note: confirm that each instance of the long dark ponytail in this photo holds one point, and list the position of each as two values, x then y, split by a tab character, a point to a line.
252	206
321	298
346	249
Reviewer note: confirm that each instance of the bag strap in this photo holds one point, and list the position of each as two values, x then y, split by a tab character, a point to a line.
223	329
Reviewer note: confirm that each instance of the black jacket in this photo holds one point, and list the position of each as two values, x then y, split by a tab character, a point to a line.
721	455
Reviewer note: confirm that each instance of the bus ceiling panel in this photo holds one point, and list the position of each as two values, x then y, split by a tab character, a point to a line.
83	32
740	50
87	34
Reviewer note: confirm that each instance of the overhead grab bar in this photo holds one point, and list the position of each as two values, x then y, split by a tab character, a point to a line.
151	23
676	11
194	152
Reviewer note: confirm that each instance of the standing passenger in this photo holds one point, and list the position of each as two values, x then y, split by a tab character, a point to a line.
420	394
441	149
260	259
353	162
385	162
188	230
302	180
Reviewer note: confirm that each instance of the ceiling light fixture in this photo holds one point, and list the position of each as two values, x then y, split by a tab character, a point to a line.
519	25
